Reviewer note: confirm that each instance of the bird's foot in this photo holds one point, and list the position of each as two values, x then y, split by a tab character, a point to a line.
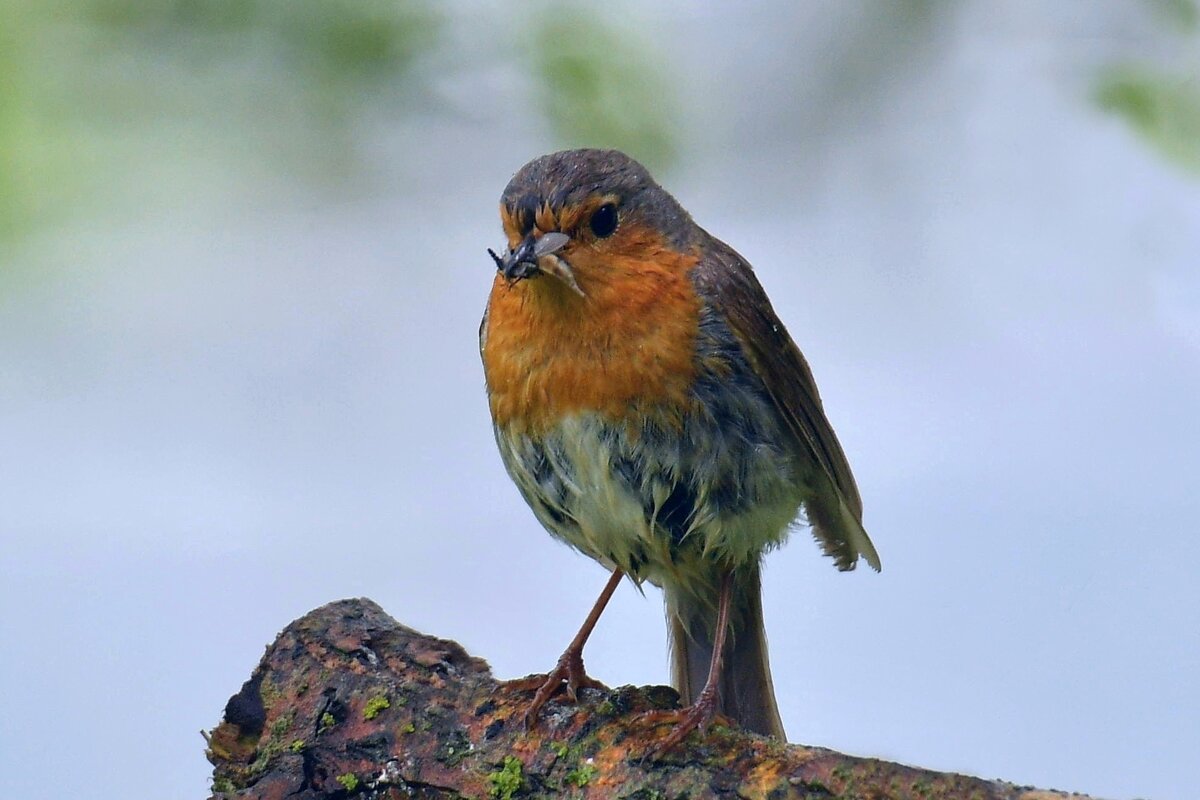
568	672
696	717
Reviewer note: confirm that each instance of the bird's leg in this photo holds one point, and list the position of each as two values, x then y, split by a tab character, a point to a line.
570	664
700	713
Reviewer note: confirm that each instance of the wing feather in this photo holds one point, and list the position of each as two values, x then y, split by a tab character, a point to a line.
725	280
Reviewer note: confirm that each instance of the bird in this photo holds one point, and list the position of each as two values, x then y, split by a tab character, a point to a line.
655	414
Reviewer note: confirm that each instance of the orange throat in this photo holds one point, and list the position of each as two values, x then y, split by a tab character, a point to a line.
627	348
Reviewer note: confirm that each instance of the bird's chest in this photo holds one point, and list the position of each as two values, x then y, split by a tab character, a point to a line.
620	351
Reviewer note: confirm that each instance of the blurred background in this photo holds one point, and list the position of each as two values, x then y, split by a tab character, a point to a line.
242	268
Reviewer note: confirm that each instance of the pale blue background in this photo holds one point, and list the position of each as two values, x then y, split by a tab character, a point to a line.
227	396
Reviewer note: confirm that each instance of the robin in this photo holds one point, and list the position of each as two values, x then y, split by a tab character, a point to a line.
655	414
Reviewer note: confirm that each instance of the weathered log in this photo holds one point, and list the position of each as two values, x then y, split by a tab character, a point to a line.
347	702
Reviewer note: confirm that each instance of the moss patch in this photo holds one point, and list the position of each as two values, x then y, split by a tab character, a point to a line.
506	781
581	776
374	706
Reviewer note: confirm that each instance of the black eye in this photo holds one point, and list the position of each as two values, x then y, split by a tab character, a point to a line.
604	221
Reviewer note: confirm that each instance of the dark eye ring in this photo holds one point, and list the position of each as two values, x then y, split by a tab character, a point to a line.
604	221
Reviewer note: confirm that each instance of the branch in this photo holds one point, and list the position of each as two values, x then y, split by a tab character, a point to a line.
349	702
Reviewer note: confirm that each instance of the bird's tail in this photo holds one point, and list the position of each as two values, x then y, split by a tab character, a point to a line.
745	690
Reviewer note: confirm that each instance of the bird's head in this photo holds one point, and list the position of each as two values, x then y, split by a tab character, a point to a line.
584	217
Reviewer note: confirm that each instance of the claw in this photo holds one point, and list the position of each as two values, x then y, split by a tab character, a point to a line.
698	716
568	671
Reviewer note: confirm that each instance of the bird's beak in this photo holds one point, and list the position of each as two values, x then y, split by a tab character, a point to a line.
533	256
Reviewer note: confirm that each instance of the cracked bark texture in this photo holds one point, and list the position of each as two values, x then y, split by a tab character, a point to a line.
347	702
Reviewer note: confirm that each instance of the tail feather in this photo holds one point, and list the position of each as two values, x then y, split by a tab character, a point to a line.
746	693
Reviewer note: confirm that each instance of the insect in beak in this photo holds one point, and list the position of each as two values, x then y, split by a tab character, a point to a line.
537	255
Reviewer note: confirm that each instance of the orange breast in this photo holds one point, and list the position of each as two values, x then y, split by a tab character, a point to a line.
627	346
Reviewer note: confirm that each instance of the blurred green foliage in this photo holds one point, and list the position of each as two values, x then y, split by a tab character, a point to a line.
32	171
1163	109
600	86
1182	14
329	40
94	93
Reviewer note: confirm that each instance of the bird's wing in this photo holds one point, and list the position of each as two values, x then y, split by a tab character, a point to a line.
726	281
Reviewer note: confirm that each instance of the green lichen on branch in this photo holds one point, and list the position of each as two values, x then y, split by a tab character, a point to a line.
506	781
374	706
280	726
580	776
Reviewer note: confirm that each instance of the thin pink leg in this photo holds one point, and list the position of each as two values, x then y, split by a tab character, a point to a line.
570	665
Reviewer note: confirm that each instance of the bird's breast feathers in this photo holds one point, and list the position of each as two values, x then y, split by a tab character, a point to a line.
628	344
